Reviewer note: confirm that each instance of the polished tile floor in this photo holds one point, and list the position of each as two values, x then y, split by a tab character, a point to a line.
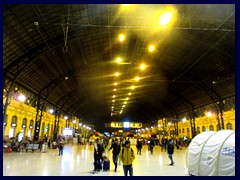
77	160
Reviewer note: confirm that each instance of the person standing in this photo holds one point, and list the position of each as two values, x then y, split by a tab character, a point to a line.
151	145
60	146
116	150
127	157
98	151
139	146
170	150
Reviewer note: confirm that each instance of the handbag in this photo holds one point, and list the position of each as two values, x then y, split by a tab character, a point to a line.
120	162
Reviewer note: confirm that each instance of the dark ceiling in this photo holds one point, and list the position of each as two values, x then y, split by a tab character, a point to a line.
66	54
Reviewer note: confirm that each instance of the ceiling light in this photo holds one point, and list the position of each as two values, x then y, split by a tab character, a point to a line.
119	60
151	48
165	18
136	78
121	37
132	87
129	94
117	74
114	96
114	89
115	84
142	66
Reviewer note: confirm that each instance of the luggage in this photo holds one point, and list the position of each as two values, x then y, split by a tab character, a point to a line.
106	165
44	148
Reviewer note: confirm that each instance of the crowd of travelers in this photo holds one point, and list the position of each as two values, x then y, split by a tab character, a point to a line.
122	152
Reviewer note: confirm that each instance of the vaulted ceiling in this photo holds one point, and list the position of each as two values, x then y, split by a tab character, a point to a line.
66	53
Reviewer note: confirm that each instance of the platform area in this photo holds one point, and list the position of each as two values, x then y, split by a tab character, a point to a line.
77	160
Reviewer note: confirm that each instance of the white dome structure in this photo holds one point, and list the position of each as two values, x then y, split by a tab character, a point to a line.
212	154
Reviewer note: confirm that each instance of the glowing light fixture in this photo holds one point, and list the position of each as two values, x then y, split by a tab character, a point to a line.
127	98
132	87
21	98
51	111
142	66
184	120
114	89
151	48
119	60
114	96
113	100
136	78
115	84
209	114
165	18
65	117
117	74
129	94
121	37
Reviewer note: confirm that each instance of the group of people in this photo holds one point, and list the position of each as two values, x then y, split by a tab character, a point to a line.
123	152
126	155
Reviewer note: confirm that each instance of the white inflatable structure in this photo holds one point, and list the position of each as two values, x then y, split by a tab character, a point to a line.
212	154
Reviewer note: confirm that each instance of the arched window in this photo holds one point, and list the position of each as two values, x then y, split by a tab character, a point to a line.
180	131
31	124
229	126
24	122
14	120
188	130
211	128
183	131
203	128
48	129
198	130
5	119
217	127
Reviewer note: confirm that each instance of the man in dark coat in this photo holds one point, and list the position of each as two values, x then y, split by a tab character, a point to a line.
116	150
170	150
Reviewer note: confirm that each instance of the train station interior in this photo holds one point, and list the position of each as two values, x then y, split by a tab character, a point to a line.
104	71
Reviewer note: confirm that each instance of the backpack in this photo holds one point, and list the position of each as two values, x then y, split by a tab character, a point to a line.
123	151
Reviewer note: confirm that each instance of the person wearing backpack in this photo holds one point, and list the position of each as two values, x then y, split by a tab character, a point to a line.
127	157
